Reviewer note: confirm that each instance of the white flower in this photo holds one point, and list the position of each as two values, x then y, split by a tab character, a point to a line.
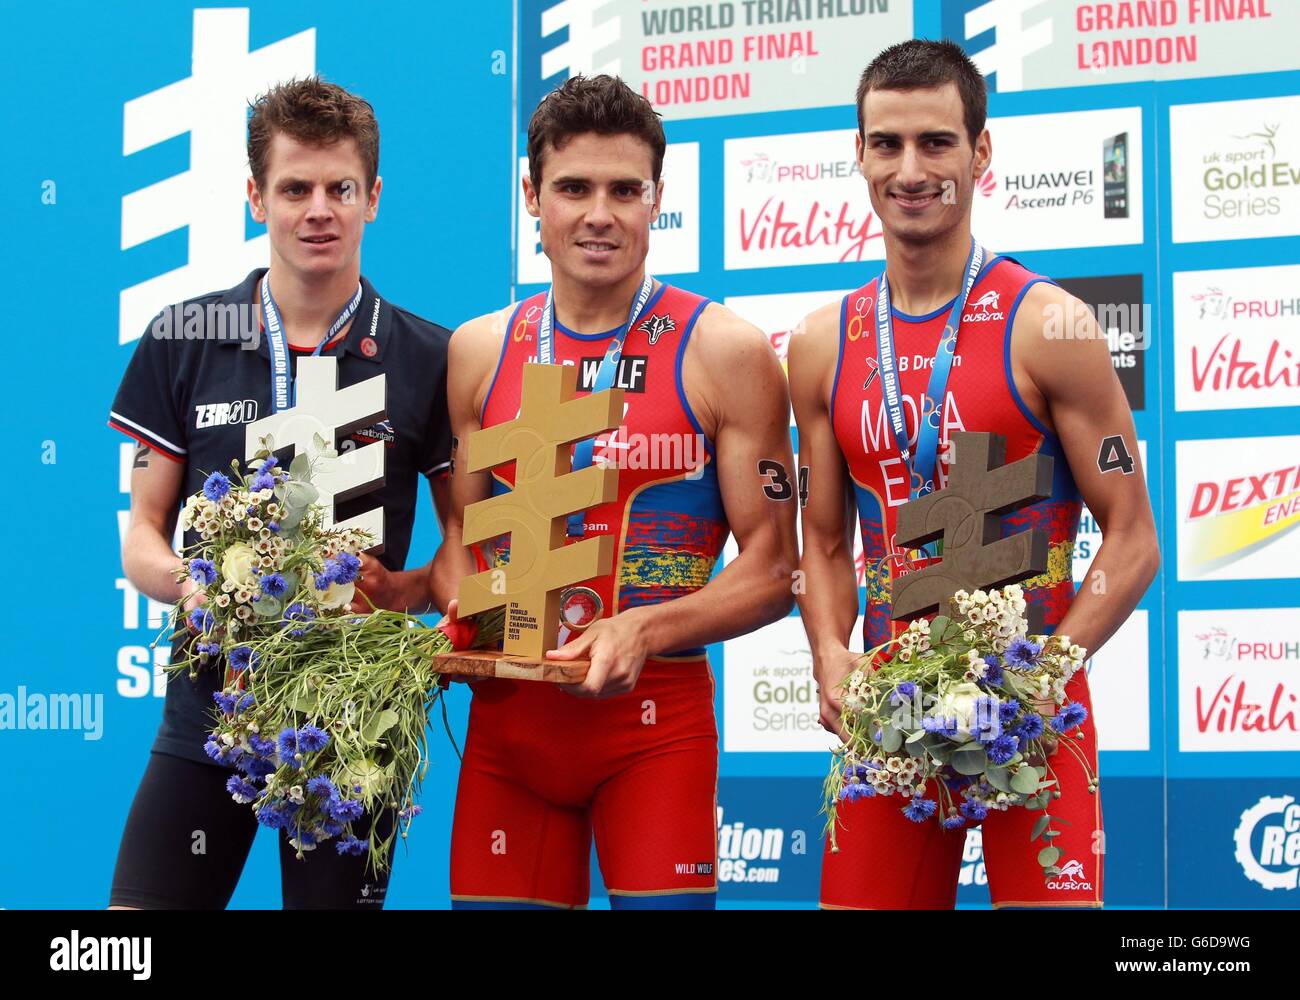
228	739
893	765
254	524
223	600
273	509
338	595
958	702
253	727
266	562
243	612
301	847
265	494
238	564
961	595
295	794
854	703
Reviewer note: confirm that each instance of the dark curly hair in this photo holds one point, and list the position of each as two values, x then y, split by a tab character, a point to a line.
315	112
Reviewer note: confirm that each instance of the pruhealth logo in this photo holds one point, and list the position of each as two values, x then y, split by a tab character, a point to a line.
999	34
211	104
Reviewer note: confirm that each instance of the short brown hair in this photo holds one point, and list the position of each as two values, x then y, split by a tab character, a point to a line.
601	104
919	63
315	112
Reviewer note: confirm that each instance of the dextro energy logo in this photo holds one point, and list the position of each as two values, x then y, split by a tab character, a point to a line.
207	199
1239	501
1234	335
1235	169
1239	679
1267	842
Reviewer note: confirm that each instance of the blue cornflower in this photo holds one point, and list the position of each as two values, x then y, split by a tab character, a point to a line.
276	817
973	810
904	692
1031	726
350	845
287	744
331	829
860	771
245	703
1022	654
312	739
253	511
1002	749
225	701
299	612
273	527
261	745
203	571
322	786
1007	711
920	810
210	648
274	585
202	620
255	767
241	791
268	464
262	482
993	675
348	566
216	751
216	486
323	580
1071	715
412	811
855	791
954	823
242	657
346	810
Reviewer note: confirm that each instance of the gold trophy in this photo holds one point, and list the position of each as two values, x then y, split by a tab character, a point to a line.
534	514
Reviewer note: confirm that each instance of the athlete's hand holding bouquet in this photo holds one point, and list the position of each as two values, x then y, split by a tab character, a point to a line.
963	717
323	711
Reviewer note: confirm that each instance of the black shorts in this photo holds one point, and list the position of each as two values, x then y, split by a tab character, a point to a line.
186	841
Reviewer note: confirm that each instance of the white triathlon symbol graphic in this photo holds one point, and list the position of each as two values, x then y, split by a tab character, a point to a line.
211	104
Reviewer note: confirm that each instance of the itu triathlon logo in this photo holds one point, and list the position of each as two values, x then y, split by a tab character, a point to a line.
656	326
1071	878
211	104
998	35
1275	863
562	39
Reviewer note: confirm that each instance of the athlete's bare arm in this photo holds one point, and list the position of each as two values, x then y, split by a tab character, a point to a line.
829	601
735	387
1071	386
148	559
471	360
407	589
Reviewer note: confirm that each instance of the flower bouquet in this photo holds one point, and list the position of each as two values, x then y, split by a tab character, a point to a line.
963	717
322	712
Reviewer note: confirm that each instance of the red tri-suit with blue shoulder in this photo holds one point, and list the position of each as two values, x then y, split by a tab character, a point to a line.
886	860
544	770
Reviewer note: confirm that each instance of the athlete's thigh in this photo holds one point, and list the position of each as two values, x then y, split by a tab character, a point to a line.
324	879
656	825
511	847
1015	877
186	840
886	861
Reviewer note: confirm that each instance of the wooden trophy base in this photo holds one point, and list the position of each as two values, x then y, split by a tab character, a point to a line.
492	663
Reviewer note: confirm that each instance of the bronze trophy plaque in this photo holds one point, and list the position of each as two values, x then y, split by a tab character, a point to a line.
534	513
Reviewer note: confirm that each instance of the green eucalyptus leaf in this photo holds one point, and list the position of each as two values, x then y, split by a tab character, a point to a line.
268	607
999	778
1025	781
1048	856
379	723
1040	825
891	739
300	467
969	760
937	629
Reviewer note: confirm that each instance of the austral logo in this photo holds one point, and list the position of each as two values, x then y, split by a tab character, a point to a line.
241	411
656	326
985	309
1071	878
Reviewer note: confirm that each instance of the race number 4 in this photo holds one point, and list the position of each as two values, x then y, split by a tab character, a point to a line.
1114	456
